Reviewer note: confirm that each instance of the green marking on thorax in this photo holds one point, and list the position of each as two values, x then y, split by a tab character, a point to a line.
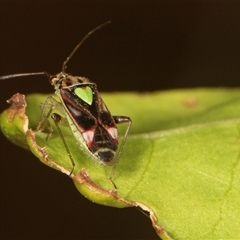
85	93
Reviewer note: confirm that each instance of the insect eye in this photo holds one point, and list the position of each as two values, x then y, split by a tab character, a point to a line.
52	79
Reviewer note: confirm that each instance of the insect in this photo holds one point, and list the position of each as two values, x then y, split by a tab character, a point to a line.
84	111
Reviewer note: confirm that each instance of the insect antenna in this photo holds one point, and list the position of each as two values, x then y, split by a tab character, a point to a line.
64	66
24	75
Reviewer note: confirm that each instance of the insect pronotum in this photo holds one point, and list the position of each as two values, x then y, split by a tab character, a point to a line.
83	109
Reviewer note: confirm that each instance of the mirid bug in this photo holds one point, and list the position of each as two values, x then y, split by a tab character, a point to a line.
83	109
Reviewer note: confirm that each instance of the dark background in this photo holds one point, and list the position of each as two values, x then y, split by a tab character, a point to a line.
149	46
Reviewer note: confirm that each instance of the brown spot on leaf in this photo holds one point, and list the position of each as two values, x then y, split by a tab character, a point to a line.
87	180
190	102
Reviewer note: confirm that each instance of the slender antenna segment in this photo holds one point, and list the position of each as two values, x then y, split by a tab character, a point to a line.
64	66
24	75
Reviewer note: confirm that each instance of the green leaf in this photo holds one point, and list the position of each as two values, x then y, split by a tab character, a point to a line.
181	161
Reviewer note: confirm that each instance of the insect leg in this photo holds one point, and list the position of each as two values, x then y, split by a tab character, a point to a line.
57	120
48	107
118	120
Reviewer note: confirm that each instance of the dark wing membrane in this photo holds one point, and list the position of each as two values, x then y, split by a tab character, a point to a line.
102	139
103	146
103	114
